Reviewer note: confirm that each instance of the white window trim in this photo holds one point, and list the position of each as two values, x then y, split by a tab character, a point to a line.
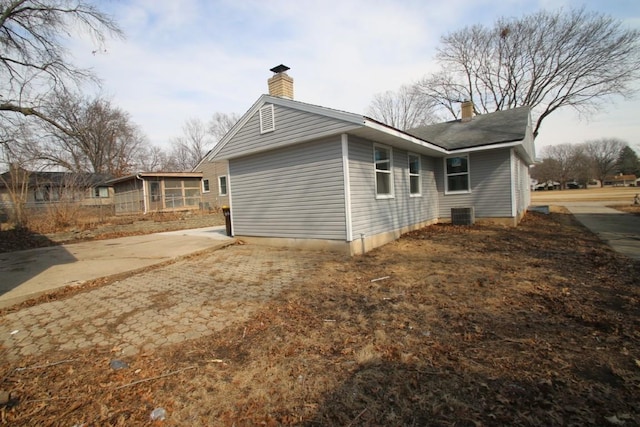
391	195
419	174
204	190
226	187
267	119
468	173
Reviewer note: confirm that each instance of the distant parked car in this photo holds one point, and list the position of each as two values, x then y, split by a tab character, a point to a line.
572	185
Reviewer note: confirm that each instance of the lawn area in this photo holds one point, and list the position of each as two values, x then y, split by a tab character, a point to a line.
448	326
614	195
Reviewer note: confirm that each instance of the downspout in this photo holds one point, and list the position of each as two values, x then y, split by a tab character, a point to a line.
144	194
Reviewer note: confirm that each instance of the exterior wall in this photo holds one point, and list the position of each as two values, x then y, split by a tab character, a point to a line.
128	197
290	126
491	191
521	182
371	216
295	192
211	171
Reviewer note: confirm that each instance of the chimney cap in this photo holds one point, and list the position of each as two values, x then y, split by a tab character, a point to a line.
280	69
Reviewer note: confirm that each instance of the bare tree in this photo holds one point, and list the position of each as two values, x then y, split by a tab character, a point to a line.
102	140
220	124
33	60
17	159
405	109
188	149
546	60
152	158
566	159
603	155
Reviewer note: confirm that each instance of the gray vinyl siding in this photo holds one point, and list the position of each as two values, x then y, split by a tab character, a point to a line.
291	126
371	216
490	173
292	192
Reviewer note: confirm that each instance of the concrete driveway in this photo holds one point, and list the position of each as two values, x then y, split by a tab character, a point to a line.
27	274
620	230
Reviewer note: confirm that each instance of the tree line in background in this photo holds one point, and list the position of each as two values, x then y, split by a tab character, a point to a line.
592	162
101	138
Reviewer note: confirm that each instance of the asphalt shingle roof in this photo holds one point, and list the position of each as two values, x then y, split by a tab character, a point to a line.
486	129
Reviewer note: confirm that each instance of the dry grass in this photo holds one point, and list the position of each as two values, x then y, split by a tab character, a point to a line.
535	325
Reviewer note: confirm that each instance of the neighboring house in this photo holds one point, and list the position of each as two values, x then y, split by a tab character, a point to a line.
215	187
41	188
302	174
620	181
147	192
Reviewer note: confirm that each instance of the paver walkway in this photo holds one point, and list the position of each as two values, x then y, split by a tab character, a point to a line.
185	300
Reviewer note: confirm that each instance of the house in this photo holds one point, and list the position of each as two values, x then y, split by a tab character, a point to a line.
620	180
305	175
147	192
40	188
215	190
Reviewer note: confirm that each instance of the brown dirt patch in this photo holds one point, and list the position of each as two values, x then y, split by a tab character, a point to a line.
535	325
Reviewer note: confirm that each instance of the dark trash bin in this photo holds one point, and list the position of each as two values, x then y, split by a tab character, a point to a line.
226	211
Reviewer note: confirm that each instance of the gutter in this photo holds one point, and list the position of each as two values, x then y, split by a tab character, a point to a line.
144	194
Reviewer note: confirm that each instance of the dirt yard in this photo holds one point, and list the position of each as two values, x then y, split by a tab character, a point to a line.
448	326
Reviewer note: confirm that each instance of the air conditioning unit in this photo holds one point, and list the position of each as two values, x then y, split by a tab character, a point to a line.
463	216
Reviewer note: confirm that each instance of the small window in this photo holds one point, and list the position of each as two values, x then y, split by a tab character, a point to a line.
414	175
101	192
205	186
384	171
222	185
457	174
267	119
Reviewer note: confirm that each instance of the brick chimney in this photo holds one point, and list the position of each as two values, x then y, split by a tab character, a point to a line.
466	111
281	85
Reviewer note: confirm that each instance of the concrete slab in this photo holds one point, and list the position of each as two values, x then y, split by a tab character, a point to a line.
26	274
620	230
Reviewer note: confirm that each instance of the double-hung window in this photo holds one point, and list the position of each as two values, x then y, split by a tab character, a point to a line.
457	174
205	185
222	185
414	175
384	171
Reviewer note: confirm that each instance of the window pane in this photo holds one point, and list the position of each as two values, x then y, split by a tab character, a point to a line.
172	183
223	185
205	185
457	165
173	198
192	196
383	183
381	154
458	183
414	182
414	164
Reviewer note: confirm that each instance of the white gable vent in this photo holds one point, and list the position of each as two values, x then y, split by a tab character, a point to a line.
267	119
463	216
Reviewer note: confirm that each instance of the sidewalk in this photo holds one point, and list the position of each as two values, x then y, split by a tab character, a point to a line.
620	230
27	274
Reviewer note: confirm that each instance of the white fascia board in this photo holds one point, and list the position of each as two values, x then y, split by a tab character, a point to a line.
402	135
316	109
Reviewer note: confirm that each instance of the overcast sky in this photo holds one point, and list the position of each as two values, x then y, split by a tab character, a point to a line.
186	59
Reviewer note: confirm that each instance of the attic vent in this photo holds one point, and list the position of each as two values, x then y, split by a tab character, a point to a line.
463	216
267	119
